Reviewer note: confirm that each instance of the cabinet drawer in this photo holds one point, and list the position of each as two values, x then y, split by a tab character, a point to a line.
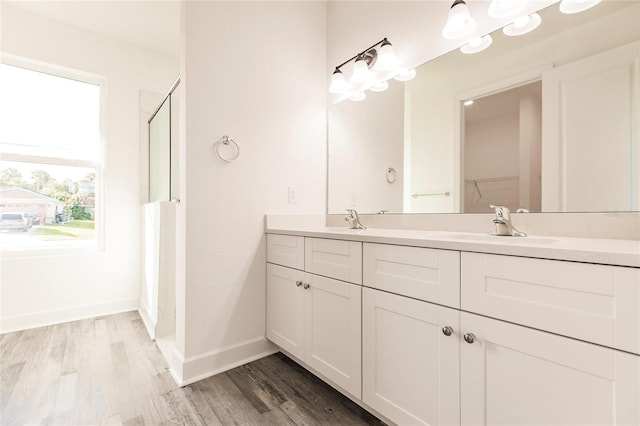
337	259
285	250
596	303
426	274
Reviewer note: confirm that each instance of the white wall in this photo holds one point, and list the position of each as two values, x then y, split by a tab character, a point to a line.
38	290
254	71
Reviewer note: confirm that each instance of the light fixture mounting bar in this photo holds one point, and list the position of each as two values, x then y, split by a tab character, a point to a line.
361	53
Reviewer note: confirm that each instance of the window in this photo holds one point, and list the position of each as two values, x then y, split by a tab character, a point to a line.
50	158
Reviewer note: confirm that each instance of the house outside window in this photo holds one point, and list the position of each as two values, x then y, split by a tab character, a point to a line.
50	157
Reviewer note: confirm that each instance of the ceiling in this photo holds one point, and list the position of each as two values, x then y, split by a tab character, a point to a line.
149	24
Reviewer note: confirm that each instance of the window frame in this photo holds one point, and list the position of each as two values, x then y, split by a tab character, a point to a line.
69	246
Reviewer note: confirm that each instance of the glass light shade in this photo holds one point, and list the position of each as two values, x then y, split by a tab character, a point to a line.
405	75
460	23
380	86
505	8
358	96
477	44
577	6
523	25
338	82
386	59
360	71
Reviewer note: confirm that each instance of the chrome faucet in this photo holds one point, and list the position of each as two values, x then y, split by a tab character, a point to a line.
504	227
354	220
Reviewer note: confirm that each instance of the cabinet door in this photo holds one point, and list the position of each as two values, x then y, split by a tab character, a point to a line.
410	367
285	309
333	331
513	375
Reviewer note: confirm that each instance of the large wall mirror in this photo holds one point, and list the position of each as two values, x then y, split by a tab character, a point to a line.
553	126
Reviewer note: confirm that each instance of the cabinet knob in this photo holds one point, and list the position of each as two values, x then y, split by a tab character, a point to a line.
306	286
298	283
469	338
447	331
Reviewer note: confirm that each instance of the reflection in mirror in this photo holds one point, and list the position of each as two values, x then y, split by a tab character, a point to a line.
587	157
366	141
502	150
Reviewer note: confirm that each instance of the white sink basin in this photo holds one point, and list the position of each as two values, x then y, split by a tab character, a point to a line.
501	239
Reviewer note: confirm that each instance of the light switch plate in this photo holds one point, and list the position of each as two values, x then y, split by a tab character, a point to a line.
293	196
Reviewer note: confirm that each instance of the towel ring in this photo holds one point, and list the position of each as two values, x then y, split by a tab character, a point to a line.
226	140
391	175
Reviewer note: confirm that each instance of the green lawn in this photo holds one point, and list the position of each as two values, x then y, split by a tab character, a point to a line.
60	231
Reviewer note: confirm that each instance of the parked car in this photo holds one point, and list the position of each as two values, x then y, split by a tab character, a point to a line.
36	218
11	221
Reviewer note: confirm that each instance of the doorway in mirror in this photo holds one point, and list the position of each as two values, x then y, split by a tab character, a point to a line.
502	137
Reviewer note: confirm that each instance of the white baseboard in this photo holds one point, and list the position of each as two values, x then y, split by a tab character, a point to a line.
175	361
56	316
200	367
148	322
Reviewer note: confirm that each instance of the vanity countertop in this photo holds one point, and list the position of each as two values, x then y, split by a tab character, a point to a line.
602	251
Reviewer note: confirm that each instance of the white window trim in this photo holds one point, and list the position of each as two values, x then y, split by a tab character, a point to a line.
69	247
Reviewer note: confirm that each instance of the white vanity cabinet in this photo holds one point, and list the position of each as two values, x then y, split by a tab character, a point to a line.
456	337
316	319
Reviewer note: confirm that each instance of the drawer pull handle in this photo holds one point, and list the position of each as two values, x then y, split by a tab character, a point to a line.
306	286
469	338
447	331
298	283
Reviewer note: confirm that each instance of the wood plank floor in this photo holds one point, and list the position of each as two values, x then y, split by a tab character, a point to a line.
106	371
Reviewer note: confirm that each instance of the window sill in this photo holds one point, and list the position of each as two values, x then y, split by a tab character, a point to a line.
55	248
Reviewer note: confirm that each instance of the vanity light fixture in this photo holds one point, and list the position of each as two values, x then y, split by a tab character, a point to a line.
505	8
477	44
358	96
380	58
523	25
361	69
338	82
577	6
405	75
459	22
380	86
386	57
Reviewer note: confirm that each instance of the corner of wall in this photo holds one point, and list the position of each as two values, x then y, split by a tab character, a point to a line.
147	321
199	367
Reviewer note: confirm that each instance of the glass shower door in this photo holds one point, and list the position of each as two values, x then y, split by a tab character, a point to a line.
160	153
